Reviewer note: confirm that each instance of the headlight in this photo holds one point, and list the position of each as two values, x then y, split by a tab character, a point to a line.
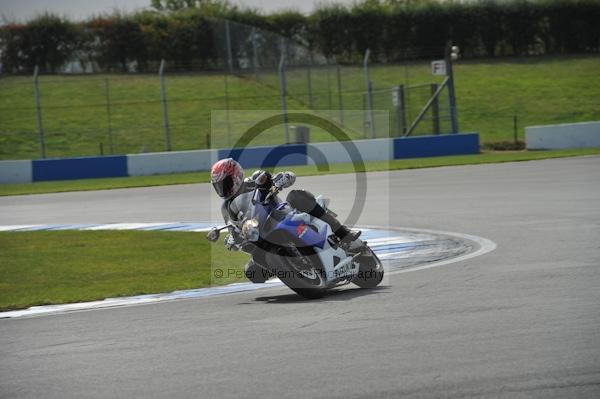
250	230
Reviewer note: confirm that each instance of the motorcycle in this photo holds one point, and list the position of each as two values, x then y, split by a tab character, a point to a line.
299	249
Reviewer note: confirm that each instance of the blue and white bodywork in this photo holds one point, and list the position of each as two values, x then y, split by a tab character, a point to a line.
299	248
313	232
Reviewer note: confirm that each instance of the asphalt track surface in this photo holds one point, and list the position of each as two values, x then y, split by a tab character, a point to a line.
521	321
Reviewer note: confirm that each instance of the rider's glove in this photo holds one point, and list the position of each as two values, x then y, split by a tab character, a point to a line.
230	243
284	180
261	178
213	235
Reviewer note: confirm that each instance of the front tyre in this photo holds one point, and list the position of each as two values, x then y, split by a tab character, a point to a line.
301	270
370	273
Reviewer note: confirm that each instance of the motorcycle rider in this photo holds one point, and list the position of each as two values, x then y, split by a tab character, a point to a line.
227	177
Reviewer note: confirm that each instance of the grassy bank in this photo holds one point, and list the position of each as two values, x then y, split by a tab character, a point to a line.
203	177
40	268
87	115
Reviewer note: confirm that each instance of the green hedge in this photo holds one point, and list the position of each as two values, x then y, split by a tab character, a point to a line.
46	41
391	29
481	29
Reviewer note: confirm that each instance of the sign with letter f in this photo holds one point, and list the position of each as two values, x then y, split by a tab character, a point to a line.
438	67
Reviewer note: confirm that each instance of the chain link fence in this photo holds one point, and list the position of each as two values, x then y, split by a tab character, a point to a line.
169	108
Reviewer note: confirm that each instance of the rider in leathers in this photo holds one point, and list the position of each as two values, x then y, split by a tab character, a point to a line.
227	179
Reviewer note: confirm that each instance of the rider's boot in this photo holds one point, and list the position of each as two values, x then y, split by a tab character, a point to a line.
342	232
255	273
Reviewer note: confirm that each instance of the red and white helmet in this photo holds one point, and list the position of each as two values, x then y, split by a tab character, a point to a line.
227	177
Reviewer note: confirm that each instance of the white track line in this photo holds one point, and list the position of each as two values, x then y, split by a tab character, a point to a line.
123	226
18	227
484	245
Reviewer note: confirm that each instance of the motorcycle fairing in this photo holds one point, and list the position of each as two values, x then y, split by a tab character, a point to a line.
337	264
278	217
304	232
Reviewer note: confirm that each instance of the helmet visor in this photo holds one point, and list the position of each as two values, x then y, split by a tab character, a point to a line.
224	187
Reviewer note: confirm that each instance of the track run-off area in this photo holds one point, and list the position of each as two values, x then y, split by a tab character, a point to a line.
519	321
399	250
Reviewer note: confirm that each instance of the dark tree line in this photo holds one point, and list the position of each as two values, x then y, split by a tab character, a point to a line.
181	32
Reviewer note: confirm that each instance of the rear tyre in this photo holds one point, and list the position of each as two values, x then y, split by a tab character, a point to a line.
370	273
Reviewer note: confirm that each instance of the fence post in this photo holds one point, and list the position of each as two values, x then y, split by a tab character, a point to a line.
365	120
226	81
406	98
283	46
228	46
451	94
108	115
369	91
515	131
163	100
435	110
399	99
329	93
309	80
282	90
339	90
255	54
424	110
38	111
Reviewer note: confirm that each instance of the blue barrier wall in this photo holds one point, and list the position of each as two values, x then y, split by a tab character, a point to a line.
251	157
434	146
79	168
260	157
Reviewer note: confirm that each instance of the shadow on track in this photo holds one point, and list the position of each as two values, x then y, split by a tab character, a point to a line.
334	295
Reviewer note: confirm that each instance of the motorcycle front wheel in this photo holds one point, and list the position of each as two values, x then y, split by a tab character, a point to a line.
301	270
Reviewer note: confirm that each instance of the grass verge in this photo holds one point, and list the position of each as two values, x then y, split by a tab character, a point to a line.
121	113
41	268
203	177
